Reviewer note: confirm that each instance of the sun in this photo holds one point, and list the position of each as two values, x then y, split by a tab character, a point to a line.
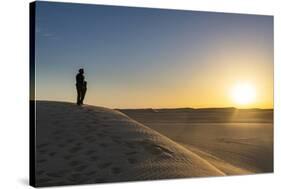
243	94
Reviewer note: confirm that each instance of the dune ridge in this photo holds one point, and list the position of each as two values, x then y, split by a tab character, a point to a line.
90	144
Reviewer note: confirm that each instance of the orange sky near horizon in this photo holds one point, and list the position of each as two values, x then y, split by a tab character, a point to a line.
210	87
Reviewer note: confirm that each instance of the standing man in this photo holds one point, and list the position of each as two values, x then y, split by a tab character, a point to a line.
81	86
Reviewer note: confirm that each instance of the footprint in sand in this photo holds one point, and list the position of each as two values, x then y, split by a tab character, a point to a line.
75	149
106	125
104	165
130	145
156	149
106	130
93	140
94	122
94	158
61	145
132	160
88	110
103	145
89	138
67	157
117	141
91	173
116	170
81	168
74	163
78	143
57	137
63	172
131	153
105	118
89	126
153	150
100	180
116	137
166	155
71	140
90	152
101	135
75	177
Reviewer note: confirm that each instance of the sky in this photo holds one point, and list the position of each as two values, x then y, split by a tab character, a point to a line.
152	58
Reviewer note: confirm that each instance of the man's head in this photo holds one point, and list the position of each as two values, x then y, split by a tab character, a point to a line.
81	70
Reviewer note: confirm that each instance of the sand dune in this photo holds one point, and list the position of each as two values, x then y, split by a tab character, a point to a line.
233	140
89	144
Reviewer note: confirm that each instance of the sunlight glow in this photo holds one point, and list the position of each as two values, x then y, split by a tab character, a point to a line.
243	93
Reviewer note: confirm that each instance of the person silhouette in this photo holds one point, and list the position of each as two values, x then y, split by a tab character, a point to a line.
81	86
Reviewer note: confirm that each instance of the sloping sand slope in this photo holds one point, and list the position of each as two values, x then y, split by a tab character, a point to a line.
236	141
80	145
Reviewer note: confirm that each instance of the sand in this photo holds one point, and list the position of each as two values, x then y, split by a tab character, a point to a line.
89	144
234	141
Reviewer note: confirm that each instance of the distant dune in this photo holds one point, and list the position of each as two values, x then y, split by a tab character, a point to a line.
208	115
236	141
89	144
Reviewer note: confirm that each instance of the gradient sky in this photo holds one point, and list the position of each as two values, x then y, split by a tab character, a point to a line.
140	58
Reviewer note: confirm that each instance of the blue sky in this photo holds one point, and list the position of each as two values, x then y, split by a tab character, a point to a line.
140	57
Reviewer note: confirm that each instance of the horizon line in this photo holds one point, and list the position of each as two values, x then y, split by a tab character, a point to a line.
164	108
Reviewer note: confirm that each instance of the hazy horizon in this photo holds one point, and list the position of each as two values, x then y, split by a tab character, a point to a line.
158	108
154	58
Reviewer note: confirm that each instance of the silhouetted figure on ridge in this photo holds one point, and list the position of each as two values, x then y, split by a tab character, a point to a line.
81	86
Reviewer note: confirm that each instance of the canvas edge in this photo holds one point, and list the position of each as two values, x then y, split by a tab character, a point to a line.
32	174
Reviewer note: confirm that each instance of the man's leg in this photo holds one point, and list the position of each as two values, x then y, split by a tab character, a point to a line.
84	89
78	95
